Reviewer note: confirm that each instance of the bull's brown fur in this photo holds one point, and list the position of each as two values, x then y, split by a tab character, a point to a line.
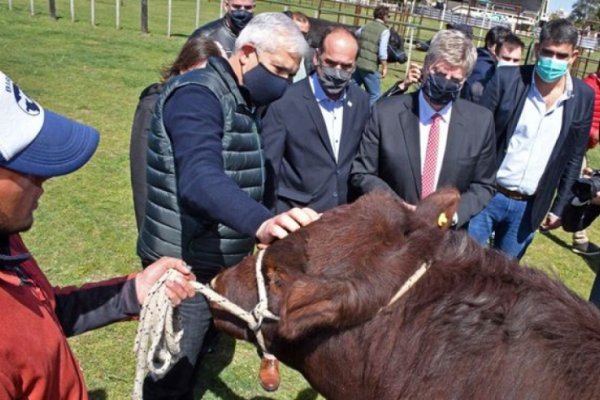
476	326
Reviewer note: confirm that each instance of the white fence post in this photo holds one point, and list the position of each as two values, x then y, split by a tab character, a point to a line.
31	8
118	13
72	9
443	16
169	19
197	14
93	12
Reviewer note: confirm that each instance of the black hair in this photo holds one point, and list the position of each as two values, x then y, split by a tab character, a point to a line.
559	31
381	11
510	39
495	36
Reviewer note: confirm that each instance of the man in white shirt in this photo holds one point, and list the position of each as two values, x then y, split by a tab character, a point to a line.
542	117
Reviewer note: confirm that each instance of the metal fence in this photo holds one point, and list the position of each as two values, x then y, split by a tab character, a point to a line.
416	23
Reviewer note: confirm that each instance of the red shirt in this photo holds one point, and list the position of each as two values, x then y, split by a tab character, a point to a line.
35	359
593	81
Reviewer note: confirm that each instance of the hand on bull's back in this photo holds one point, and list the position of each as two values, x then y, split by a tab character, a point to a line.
283	224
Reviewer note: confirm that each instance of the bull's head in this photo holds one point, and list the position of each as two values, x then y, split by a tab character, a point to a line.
340	270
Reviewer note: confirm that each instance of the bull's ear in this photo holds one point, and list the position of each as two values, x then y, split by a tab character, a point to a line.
438	208
313	303
304	309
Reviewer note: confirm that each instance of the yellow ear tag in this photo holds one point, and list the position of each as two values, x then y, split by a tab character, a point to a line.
442	220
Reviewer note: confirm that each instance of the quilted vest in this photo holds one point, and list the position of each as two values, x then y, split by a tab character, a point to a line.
370	35
168	229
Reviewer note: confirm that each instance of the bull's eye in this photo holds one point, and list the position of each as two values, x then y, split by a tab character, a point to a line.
277	283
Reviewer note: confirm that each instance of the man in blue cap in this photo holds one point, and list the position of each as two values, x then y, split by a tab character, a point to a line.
36	362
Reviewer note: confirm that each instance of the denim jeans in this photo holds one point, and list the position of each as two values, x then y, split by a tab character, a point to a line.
178	383
371	80
508	220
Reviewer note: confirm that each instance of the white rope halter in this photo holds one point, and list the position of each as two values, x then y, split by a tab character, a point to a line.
410	282
159	331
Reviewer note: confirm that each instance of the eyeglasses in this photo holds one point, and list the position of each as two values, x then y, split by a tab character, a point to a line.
239	7
553	54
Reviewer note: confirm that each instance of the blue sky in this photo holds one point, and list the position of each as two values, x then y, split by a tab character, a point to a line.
564	4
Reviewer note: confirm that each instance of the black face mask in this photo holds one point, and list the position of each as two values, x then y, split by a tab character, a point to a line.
263	85
333	80
440	90
239	19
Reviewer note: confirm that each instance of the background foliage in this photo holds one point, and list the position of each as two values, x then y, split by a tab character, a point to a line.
85	228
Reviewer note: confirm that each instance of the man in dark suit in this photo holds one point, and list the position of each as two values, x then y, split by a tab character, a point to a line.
542	118
415	143
311	134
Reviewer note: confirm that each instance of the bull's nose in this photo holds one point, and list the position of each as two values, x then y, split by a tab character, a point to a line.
213	282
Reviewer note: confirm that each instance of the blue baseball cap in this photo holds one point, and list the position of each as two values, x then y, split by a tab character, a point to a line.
38	142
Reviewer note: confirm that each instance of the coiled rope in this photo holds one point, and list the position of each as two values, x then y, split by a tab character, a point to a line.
160	331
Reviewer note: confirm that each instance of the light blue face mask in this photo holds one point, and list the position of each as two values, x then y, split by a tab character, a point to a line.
504	63
550	70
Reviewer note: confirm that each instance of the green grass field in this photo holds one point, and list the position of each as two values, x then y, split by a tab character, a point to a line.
85	228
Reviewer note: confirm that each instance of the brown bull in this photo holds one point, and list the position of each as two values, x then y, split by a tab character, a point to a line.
475	326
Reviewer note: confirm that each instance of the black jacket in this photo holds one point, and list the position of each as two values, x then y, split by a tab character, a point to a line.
299	152
505	96
219	31
389	155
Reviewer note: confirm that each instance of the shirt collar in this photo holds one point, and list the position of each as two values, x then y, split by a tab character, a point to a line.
426	111
568	93
320	94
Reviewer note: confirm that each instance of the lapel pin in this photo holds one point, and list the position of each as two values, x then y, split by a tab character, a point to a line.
349	104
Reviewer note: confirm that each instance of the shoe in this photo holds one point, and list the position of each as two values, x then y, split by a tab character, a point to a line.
269	374
586	249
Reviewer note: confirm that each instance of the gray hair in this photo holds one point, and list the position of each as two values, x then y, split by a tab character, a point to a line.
455	48
272	31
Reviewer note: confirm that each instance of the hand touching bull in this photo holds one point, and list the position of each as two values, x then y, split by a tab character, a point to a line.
279	226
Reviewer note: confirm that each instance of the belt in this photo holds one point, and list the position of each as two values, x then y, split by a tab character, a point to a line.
512	194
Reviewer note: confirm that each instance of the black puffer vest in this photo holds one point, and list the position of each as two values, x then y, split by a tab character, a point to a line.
168	229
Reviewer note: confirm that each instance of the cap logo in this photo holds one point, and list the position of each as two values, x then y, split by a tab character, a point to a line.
24	102
18	114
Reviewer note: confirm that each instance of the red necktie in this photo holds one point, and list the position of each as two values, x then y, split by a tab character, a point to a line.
429	167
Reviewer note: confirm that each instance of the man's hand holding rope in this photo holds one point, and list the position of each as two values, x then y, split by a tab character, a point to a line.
176	290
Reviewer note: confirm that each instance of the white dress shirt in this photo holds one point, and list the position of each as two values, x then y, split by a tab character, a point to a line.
533	141
332	111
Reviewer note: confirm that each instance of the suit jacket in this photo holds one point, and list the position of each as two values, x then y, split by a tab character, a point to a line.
298	152
505	96
389	155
